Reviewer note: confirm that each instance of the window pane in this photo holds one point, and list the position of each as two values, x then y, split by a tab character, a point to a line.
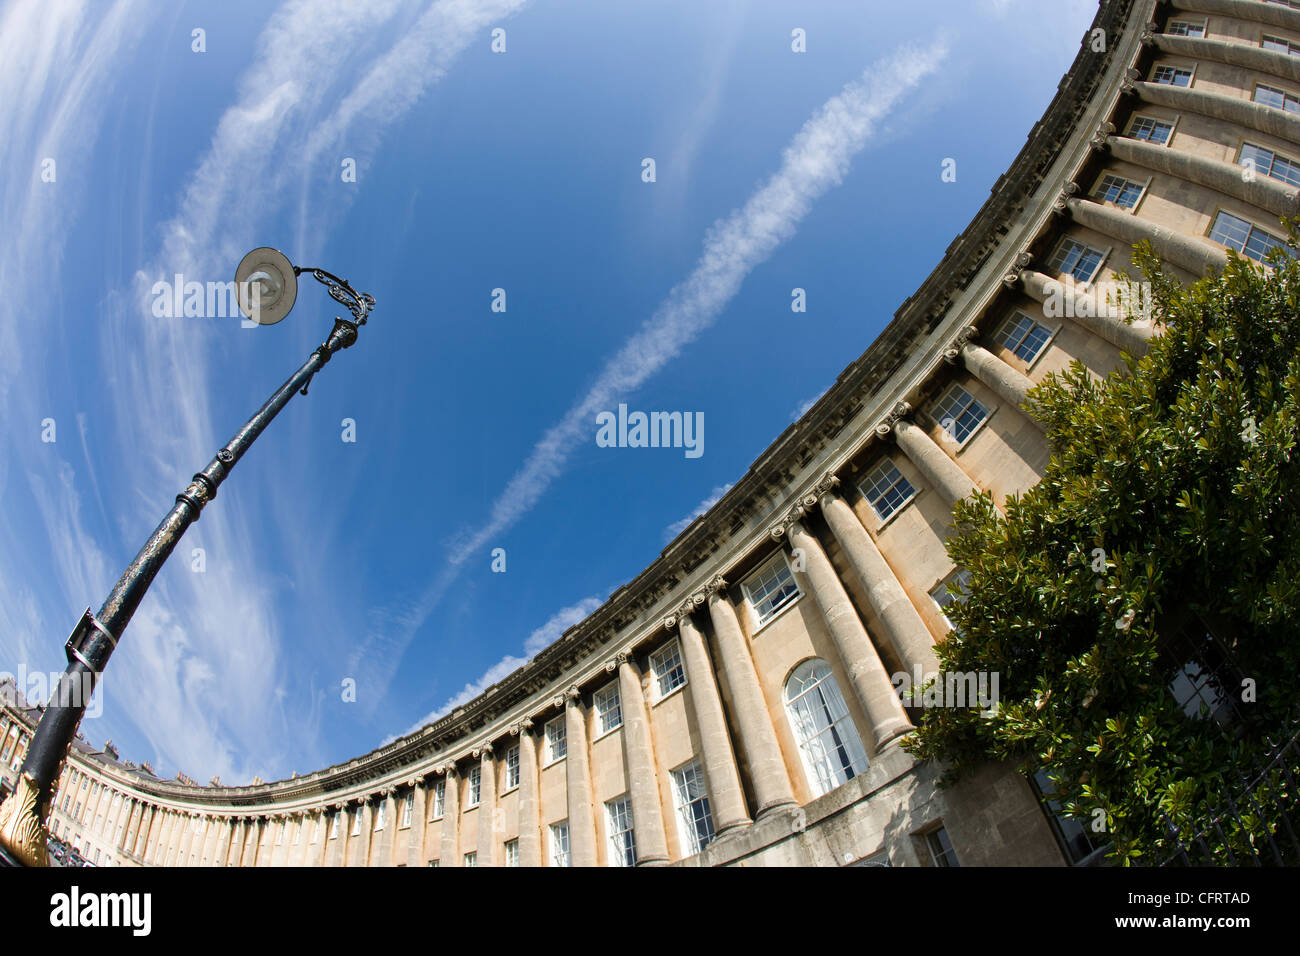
771	588
886	490
666	666
958	413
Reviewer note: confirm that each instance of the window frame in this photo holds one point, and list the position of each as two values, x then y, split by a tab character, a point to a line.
474	792
1290	160
1101	262
553	833
687	825
439	801
1203	25
1293	48
822	775
656	663
885	463
610	688
1286	94
512	853
552	741
619	849
1154	120
958	575
1105	174
758	621
513	773
1253	228
937	417
1190	71
1008	320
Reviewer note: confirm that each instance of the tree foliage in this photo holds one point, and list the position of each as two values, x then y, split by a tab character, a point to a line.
1182	468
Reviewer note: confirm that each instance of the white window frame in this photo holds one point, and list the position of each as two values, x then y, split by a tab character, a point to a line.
605	709
474	796
408	810
559	849
760	620
1286	94
1142	186
942	597
470	860
439	800
512	768
356	823
687	826
816	708
1001	334
1189	70
1253	227
938	415
1059	270
1138	117
1291	160
663	669
380	813
1293	48
1202	25
618	812
335	824
555	740
512	852
935	839
883	468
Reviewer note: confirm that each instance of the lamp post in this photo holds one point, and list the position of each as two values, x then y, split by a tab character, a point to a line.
266	285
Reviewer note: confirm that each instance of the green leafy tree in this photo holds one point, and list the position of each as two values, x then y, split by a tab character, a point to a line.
1170	510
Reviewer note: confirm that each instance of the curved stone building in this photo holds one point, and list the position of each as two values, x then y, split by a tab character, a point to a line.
735	703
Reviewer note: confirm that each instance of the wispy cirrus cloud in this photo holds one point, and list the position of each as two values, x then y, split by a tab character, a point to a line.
201	672
548	633
677	527
817	159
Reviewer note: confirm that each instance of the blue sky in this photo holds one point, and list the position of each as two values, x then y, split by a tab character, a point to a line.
327	560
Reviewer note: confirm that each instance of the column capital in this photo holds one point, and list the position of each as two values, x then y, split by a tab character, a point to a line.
806	503
484	750
573	693
521	727
616	661
952	354
899	411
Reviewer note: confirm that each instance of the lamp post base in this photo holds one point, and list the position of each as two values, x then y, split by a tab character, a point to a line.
24	841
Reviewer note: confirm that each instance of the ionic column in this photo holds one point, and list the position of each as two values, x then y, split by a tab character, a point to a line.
866	672
449	852
388	835
361	846
336	845
487	802
942	473
186	840
757	736
638	757
726	796
415	835
1198	256
903	626
530	836
208	832
577	776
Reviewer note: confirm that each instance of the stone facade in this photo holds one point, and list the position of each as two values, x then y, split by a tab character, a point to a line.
801	576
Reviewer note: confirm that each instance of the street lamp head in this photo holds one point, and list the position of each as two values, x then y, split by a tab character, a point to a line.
266	285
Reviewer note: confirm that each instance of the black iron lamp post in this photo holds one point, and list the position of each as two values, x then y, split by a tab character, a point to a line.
266	284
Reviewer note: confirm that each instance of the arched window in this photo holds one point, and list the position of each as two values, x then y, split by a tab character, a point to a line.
829	743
